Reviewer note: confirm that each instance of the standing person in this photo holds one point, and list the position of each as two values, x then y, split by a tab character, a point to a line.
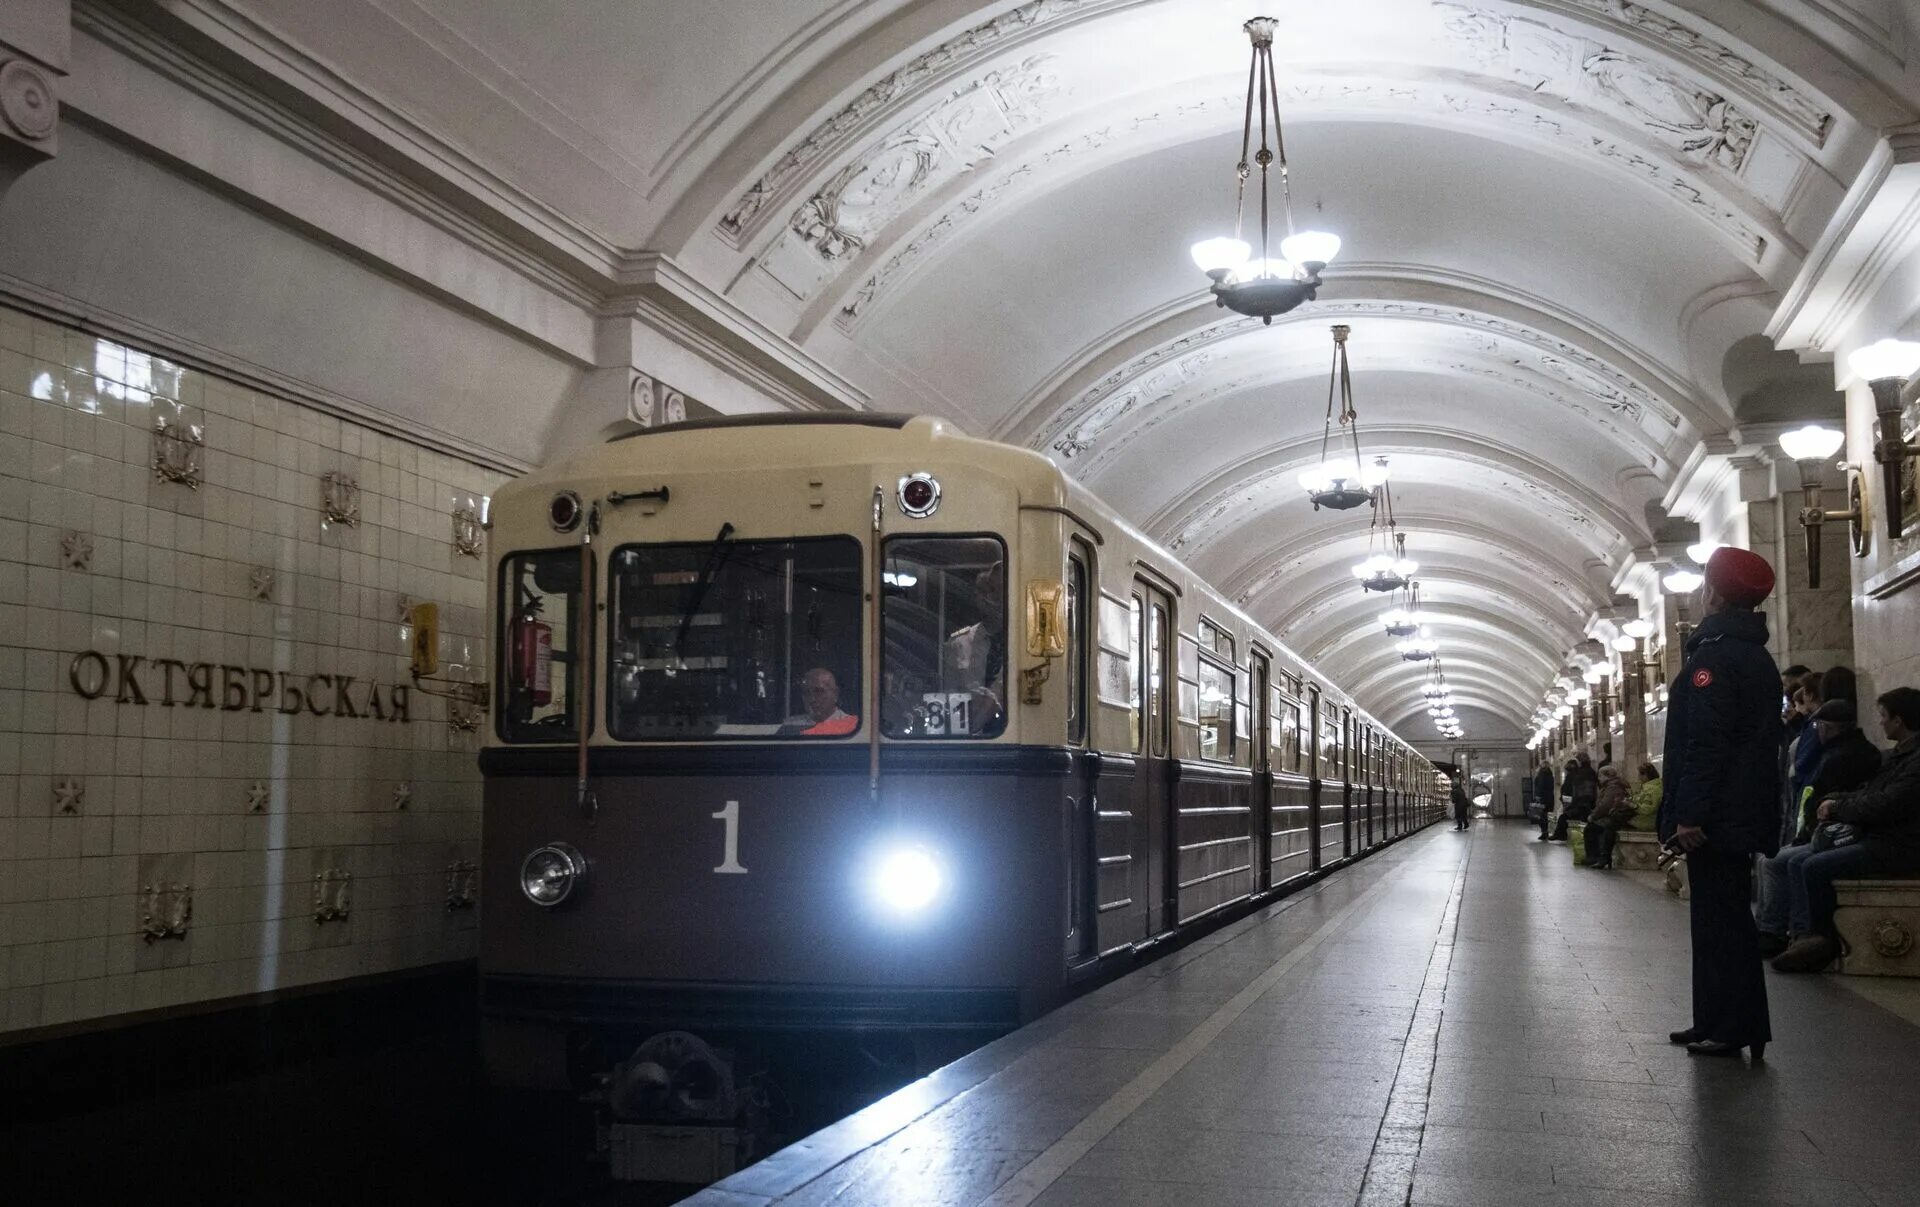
1722	799
1543	793
1462	807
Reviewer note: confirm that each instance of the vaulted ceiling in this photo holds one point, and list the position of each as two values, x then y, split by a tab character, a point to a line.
1560	216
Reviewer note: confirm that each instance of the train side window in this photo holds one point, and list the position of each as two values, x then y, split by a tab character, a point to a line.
944	665
1077	644
540	613
1216	693
735	639
1159	633
1136	673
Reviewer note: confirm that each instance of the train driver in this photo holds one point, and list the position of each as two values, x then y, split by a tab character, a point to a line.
820	696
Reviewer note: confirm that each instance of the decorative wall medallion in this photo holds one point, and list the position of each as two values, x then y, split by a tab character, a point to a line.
1892	939
673	406
403	794
260	582
27	100
332	895
68	793
257	797
166	910
466	531
340	498
463	884
176	451
640	399
462	717
76	551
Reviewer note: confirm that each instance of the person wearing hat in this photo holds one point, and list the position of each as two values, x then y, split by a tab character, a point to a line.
1848	761
1721	805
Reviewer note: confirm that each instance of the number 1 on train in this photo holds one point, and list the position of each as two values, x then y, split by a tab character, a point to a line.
731	816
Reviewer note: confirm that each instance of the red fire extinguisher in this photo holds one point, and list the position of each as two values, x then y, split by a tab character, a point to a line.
532	653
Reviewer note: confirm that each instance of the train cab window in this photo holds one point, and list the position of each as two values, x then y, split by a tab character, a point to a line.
540	610
1136	643
945	662
1078	641
1216	693
1293	748
736	640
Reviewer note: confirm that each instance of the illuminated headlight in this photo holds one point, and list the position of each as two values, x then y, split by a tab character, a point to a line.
905	879
551	873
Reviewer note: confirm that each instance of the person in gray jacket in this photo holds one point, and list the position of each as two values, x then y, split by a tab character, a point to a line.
1884	840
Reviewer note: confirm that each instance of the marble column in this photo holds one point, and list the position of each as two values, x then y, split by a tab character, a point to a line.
1813	626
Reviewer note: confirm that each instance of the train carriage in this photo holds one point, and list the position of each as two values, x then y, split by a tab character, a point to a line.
855	723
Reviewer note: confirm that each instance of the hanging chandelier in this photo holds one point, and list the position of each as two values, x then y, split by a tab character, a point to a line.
1386	566
1404	619
1421	648
1261	286
1341	482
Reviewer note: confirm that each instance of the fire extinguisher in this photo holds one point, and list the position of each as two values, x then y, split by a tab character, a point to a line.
532	654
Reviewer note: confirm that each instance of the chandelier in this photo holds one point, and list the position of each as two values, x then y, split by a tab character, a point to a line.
1403	620
1386	566
1261	286
1421	648
1341	482
1440	699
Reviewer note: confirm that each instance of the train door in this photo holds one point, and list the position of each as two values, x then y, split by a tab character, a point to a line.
1316	771
1155	779
1261	739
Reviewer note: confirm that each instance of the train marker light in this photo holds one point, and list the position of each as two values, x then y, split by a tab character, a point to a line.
906	879
919	495
549	875
563	511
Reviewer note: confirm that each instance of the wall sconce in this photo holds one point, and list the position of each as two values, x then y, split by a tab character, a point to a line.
1886	366
1633	656
1809	446
1680	584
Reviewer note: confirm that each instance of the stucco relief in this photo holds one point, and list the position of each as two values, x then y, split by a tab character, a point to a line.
837	222
1152	388
848	121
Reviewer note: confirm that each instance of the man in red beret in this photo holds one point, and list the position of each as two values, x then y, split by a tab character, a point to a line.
1722	798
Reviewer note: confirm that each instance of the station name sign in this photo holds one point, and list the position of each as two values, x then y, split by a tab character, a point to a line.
170	683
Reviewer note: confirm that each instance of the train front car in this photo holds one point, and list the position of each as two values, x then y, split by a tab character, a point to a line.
730	803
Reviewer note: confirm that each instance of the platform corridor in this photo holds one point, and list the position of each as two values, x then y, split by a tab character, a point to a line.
1462	1019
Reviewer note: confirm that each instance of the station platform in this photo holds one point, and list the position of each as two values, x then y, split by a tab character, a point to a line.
1461	1019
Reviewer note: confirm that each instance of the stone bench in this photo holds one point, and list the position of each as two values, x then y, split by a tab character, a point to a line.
1880	922
1637	851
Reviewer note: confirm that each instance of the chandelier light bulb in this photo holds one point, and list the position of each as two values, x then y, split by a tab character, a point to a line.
1312	248
1638	628
1682	582
1219	257
1886	360
1593	674
1261	270
1700	551
1564	711
1580	695
1329	474
1624	644
1812	442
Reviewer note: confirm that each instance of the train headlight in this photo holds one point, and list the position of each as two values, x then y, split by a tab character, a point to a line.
905	879
550	874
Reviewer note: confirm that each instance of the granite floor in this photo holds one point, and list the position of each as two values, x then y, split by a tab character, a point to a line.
1462	1019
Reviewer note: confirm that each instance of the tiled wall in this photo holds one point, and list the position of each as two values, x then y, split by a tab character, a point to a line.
256	808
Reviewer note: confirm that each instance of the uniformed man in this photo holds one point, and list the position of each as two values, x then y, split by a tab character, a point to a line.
1720	807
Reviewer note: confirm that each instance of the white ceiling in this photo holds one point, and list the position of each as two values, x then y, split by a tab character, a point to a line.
1559	217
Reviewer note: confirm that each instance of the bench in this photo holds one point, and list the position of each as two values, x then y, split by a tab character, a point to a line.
1880	923
1637	851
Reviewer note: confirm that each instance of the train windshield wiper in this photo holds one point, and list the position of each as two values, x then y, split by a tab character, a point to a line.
716	558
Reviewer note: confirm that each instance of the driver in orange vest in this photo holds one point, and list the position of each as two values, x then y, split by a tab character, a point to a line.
820	696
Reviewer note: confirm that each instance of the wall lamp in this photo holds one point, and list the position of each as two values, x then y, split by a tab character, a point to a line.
1810	446
1886	366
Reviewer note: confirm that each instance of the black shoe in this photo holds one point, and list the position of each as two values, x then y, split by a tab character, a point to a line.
1689	1036
1771	944
1718	1047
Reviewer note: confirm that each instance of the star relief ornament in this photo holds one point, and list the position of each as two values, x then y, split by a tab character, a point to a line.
67	795
257	797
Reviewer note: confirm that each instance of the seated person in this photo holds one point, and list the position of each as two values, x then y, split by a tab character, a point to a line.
1613	809
820	696
1886	815
1849	760
1646	798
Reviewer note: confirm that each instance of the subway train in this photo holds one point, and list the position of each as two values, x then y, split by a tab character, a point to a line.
852	724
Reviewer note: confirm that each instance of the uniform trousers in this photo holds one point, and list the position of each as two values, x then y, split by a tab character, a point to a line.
1729	983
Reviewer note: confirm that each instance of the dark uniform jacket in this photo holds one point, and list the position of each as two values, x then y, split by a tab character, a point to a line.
1846	763
1723	737
1887	810
1543	787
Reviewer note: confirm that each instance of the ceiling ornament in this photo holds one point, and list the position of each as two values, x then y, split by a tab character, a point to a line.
1154	386
1803	113
832	227
1264	285
943	61
1073	430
